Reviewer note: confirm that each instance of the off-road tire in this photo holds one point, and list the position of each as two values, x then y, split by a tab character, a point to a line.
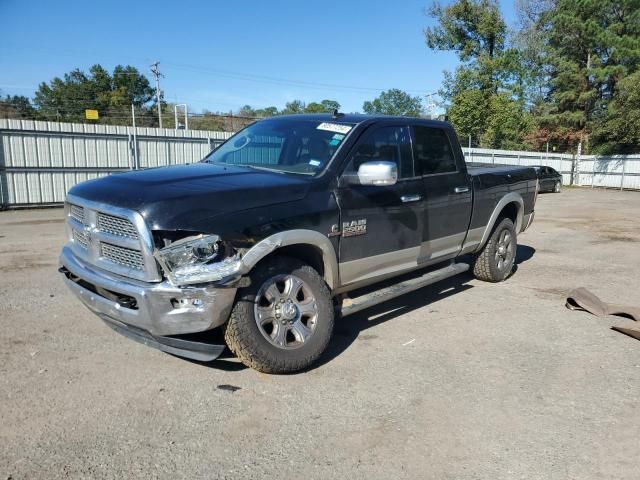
484	265
244	338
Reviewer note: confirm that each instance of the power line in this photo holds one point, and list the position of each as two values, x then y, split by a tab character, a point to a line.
283	81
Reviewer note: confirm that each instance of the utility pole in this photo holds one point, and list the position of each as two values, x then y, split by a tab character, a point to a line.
156	72
135	138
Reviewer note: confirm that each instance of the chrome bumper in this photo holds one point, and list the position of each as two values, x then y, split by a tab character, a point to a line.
158	308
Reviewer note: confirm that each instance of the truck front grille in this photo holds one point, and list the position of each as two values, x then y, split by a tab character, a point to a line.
112	239
122	256
76	212
81	238
116	226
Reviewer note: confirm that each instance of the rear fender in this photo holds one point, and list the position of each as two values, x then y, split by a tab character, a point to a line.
512	197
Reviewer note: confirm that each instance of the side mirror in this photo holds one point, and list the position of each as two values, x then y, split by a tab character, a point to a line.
378	173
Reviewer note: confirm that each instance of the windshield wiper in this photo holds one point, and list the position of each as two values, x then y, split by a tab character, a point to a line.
262	168
274	170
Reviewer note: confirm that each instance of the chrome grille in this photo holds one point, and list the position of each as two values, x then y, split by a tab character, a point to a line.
76	212
122	256
81	238
116	226
111	238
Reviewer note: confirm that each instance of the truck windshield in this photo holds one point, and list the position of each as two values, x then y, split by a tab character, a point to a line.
296	146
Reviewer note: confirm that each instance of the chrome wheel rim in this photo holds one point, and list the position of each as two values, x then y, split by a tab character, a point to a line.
286	312
505	250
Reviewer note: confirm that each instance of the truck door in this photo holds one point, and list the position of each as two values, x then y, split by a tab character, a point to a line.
447	190
381	226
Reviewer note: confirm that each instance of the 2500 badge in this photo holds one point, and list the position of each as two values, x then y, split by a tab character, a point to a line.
354	227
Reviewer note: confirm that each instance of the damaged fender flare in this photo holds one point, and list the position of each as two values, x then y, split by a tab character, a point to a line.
295	237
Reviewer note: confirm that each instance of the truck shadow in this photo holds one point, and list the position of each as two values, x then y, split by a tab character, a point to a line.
524	253
349	329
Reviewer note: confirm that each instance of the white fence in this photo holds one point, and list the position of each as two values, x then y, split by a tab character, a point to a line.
615	171
41	161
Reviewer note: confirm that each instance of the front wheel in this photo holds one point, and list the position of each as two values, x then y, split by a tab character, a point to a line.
283	321
556	188
495	262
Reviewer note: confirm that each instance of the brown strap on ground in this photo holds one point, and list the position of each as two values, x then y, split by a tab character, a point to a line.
583	299
628	331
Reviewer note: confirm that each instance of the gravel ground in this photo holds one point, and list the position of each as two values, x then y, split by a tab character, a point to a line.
462	380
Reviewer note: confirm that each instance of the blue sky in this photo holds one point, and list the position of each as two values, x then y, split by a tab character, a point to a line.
220	55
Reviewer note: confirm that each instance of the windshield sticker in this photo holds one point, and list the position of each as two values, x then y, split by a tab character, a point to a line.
334	142
334	127
314	163
338	136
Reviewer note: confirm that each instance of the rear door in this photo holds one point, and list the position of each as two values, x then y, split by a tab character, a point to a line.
381	226
447	190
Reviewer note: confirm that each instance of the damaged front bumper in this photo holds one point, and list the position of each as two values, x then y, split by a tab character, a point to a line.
150	310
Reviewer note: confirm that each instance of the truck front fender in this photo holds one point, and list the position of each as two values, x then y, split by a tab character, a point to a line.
295	237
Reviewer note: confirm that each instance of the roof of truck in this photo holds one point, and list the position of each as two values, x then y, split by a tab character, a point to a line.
356	118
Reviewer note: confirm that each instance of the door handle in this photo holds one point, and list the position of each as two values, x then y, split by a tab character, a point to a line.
464	189
410	198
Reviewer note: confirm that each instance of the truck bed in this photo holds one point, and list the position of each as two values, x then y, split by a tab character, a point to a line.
491	183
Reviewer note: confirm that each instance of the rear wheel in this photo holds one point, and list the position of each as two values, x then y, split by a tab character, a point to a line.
495	262
283	321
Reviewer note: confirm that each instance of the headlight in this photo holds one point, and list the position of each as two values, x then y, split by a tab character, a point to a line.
197	259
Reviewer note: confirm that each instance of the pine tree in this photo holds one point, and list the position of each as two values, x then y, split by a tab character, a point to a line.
592	45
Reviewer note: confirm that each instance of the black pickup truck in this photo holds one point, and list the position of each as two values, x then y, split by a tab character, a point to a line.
267	236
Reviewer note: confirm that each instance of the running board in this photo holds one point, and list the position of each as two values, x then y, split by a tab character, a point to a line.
353	305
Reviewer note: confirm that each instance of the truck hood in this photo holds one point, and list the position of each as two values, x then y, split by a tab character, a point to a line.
184	197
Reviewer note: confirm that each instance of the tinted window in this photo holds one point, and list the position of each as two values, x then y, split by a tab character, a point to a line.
433	150
390	144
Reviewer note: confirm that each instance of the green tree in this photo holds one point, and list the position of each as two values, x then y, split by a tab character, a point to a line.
495	121
266	112
394	102
506	122
247	111
293	107
330	105
67	98
16	106
530	39
620	131
325	106
468	112
592	45
488	82
476	32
